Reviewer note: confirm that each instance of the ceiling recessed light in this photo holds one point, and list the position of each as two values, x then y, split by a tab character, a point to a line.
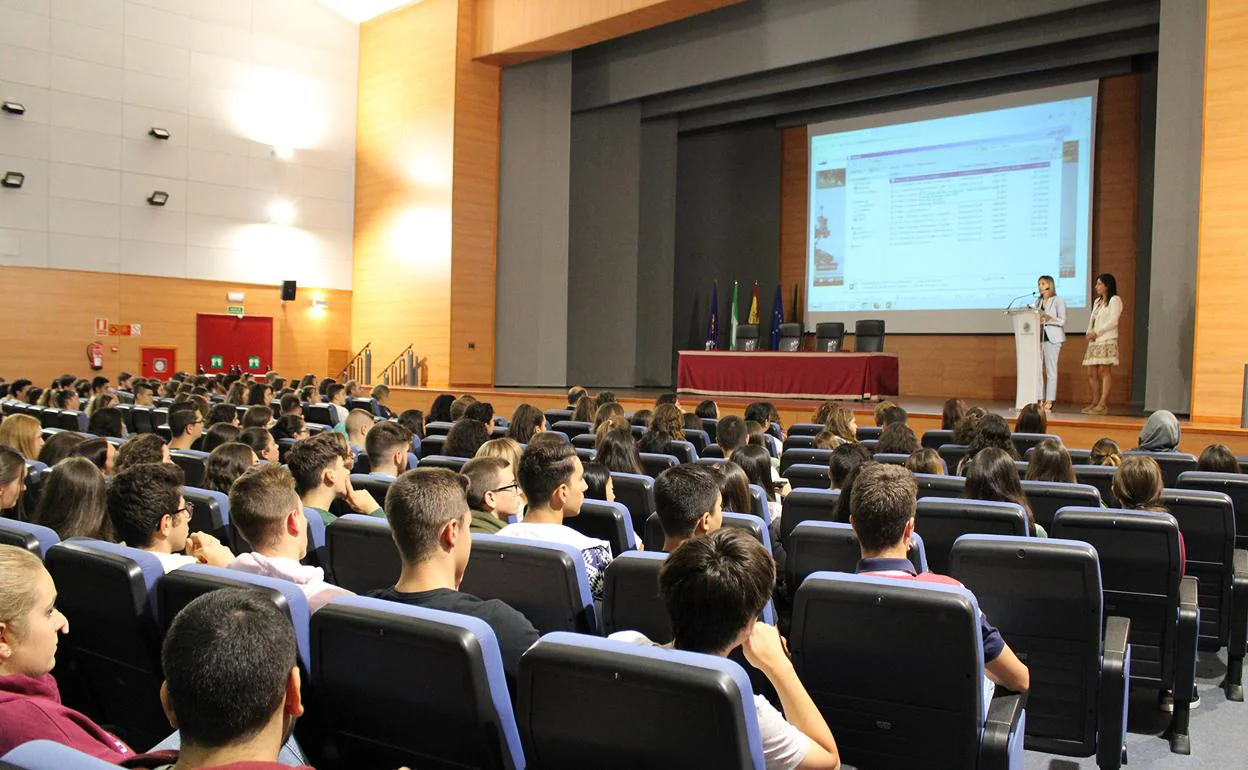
158	198
13	179
13	108
157	132
282	212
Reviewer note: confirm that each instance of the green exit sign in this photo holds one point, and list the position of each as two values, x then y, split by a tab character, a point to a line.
234	309
253	362
216	362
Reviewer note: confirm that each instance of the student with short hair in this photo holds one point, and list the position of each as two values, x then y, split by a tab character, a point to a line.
262	443
336	398
148	512
387	445
222	414
731	434
144	395
465	437
688	502
714	589
481	410
290	426
290	404
380	395
358	424
493	493
257	417
575	393
186	425
138	449
459	407
554	484
319	466
1218	458
882	508
707	410
428	513
269	516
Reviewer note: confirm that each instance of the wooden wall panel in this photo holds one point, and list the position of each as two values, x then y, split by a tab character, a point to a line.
513	31
1222	271
48	318
982	366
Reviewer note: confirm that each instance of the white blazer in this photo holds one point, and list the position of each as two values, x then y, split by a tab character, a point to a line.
1055	330
1104	320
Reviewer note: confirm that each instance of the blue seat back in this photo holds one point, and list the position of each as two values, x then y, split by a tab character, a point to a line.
321	414
573	428
630	596
1101	477
191	461
798	442
1026	441
316	555
942	520
49	755
361	553
804	457
805	429
819	546
890	458
377	486
438	428
952	454
1207	521
402	685
608	521
431	445
636	493
1234	485
807	476
32	537
807	505
443	461
212	513
1046	498
1172	464
932	485
935	439
654	464
545	582
576	690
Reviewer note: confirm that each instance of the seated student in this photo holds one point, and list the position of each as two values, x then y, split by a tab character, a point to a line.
232	685
413	420
220	433
225	464
603	398
642	417
269	516
554	484
357	426
290	426
259	394
584	410
22	433
30	702
1031	419
897	438
730	434
481	410
880	409
598	482
67	400
319	465
575	393
1218	458
465	437
99	452
991	431
882	507
262	443
222	414
926	460
148	512
380	395
429	515
107	421
611	411
688	502
186	425
1050	461
493	493
138	449
667	425
1105	452
952	413
459	407
526	421
73	501
756	463
707	410
336	397
310	395
290	404
1160	433
993	476
258	417
18	391
714	588
144	395
387	445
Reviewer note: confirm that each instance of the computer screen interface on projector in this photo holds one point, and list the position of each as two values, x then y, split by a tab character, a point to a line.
957	213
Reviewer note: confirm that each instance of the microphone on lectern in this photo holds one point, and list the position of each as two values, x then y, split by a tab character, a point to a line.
1021	296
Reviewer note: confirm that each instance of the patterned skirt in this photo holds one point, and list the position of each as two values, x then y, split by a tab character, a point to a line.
1101	353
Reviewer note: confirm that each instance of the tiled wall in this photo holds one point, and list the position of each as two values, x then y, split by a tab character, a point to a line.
230	80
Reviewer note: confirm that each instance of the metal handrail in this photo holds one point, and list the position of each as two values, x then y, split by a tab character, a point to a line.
360	367
406	369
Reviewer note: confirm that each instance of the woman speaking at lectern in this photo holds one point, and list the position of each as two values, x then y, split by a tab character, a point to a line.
1102	341
1053	316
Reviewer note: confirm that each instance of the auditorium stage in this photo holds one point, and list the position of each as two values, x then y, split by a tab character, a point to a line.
1078	430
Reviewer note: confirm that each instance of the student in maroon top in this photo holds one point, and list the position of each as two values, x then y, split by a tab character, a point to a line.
30	704
232	684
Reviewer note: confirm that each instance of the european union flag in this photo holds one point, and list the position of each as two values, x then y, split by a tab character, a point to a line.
777	318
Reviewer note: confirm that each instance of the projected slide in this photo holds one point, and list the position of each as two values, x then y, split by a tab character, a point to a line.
957	213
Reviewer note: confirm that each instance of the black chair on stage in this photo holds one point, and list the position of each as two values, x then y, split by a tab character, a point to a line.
747	337
790	337
829	336
869	336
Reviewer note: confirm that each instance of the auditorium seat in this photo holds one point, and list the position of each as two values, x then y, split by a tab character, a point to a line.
807	476
798	442
432	445
747	337
817	546
191	461
630	596
713	452
790	337
320	414
1141	581
1207	521
890	715
1044	595
377	486
653	534
605	521
362	464
141	417
160	416
952	454
625	701
890	458
316	554
807	505
367	404
932	485
868	432
709	426
1021	466
1101	477
211	514
805	429
1172	464
941	521
443	461
829	336
1233	484
546	582
586	455
1026	441
804	457
573	428
585	441
711	461
49	755
1046	498
935	439
70	420
699	440
653	464
437	428
636	493
185	584
557	415
32	537
683	451
108	591
403	685
360	553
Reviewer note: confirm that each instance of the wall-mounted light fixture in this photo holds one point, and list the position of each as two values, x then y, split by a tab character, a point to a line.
156	132
13	108
320	304
282	212
158	198
283	153
13	179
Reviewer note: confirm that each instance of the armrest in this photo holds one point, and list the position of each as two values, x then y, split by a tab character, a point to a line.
1004	725
1113	686
1185	649
1239	603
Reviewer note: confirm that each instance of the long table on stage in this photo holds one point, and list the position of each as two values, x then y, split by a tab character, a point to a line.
771	374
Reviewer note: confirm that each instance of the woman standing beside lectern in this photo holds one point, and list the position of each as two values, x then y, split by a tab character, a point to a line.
1053	317
1102	342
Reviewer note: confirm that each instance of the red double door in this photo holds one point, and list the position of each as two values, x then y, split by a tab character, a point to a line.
225	341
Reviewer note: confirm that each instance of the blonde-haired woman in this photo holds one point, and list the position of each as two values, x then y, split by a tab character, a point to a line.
23	433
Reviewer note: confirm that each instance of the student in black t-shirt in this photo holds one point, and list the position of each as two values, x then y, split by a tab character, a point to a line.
428	512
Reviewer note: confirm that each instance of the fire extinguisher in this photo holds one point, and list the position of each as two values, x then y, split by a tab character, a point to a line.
95	356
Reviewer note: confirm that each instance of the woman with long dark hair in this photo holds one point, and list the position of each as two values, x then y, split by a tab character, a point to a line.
1102	352
991	431
756	462
73	502
1050	461
952	413
617	449
993	476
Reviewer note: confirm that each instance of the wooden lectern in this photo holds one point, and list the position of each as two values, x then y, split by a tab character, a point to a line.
1029	359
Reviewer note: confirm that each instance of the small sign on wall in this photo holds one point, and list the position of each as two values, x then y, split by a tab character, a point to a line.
253	362
216	362
234	310
101	326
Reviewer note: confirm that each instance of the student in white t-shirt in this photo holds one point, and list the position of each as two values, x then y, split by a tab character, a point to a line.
731	572
553	481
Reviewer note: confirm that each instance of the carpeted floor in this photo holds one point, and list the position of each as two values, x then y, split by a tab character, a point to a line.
1219	730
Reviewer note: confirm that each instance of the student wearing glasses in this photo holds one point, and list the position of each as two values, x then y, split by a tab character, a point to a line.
148	512
186	425
493	493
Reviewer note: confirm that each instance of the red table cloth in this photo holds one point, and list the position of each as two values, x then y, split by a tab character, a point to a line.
769	374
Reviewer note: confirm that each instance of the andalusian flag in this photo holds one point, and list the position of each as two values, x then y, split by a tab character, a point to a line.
753	319
732	320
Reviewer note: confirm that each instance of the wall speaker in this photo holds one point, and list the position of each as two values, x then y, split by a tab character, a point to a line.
288	291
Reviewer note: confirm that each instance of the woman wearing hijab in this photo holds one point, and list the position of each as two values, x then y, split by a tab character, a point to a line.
1160	433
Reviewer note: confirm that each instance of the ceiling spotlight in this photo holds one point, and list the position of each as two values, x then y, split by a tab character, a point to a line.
13	179
158	133
158	198
13	108
283	153
282	212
